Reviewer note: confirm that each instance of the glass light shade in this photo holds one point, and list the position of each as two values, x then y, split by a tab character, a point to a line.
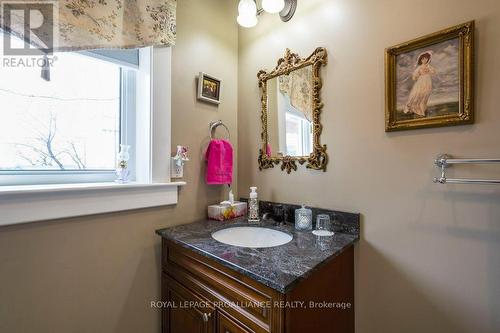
247	13
247	21
273	6
247	8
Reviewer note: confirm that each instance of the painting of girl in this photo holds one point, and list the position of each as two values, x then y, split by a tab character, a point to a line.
421	91
429	80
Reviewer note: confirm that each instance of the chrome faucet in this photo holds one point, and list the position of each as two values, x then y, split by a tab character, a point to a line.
278	216
267	216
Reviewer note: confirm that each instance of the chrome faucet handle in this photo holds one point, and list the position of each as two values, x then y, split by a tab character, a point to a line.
267	216
279	214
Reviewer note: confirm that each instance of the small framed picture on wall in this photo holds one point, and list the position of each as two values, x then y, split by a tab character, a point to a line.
209	88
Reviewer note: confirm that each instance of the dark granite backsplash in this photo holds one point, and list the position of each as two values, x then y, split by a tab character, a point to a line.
342	221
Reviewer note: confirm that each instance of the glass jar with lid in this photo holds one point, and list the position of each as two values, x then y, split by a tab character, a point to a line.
303	218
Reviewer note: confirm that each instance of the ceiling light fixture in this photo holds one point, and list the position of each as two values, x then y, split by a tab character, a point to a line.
273	6
248	12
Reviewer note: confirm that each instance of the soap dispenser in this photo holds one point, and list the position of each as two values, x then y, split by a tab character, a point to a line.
253	206
303	218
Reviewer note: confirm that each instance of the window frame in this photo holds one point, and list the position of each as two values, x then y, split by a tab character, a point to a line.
152	188
128	79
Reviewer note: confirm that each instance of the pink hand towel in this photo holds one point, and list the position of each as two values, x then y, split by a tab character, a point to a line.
220	162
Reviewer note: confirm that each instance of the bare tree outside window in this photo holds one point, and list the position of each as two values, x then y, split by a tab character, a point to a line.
71	122
43	151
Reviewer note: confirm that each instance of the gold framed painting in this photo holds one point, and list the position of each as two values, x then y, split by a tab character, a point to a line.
430	80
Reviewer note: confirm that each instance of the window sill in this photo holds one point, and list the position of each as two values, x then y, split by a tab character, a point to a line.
30	203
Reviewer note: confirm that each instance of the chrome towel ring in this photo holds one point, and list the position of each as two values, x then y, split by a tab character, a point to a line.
213	126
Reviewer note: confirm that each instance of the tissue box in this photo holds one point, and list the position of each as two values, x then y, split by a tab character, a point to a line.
227	212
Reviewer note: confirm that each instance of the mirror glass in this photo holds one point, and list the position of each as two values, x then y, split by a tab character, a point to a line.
289	116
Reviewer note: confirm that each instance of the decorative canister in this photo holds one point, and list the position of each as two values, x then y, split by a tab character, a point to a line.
303	218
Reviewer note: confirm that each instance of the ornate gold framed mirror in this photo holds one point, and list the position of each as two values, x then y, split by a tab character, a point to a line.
290	115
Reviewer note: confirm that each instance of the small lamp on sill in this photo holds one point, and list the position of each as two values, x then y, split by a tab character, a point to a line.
122	171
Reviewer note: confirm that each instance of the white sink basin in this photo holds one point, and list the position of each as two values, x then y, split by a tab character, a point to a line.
254	237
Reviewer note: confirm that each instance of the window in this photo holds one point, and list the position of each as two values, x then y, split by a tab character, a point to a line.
143	95
68	129
298	134
295	131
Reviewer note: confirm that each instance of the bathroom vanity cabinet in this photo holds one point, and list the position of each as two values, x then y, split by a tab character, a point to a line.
204	295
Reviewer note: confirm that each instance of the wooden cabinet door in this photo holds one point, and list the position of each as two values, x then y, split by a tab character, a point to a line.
186	312
227	325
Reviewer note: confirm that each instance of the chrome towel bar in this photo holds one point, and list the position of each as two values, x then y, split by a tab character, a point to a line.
444	161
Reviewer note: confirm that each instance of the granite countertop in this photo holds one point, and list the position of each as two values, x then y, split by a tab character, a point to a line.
280	268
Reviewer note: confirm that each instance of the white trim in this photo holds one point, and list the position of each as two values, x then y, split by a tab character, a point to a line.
128	114
29	203
13	178
161	115
77	187
143	128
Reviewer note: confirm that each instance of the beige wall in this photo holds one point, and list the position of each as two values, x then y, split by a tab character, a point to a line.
429	259
97	274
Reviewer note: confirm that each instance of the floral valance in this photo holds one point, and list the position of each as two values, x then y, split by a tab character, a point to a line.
298	87
94	24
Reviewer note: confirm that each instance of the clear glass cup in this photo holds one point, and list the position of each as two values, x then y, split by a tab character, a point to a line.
324	226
